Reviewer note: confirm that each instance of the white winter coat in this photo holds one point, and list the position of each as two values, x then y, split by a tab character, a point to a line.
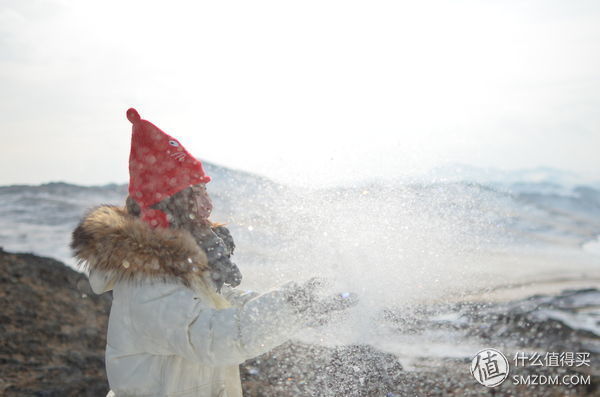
169	333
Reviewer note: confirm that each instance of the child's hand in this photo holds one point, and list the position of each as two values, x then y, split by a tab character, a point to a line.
307	300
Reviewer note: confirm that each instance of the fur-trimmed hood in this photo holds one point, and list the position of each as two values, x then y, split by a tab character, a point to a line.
120	246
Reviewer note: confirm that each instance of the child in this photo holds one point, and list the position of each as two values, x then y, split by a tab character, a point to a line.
177	327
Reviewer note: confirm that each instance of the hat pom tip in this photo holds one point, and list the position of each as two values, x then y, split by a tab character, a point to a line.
133	115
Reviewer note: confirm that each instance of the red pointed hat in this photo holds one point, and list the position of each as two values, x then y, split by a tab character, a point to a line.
159	167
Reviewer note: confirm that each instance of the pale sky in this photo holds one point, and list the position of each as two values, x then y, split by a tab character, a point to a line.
302	92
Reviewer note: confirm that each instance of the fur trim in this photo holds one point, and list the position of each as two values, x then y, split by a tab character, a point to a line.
111	240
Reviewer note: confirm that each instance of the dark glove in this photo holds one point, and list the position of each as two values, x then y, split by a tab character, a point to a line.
225	235
218	252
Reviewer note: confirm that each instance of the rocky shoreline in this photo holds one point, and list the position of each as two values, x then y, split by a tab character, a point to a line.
54	330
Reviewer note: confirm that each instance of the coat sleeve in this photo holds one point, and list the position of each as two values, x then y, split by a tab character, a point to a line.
177	322
238	297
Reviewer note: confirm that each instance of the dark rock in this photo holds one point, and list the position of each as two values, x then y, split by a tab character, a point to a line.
297	369
45	349
564	322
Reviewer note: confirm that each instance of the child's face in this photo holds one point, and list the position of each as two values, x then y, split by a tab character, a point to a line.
202	200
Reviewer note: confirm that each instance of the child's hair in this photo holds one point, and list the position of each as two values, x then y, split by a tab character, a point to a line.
132	207
214	238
